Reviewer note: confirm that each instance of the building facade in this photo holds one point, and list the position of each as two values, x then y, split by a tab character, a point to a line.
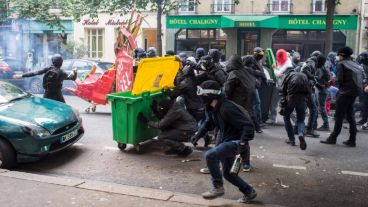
363	41
99	34
297	25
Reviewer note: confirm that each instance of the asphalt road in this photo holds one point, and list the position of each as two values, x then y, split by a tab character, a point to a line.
322	175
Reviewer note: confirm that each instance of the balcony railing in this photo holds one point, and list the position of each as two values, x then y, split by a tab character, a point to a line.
318	8
186	9
223	8
280	8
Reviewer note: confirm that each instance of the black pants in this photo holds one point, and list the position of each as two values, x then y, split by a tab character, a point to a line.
174	138
54	95
312	106
246	155
344	108
364	106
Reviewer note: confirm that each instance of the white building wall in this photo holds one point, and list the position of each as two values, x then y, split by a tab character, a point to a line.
150	22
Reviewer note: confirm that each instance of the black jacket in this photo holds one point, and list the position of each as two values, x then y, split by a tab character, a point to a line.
322	77
216	73
345	78
232	122
295	86
176	118
240	84
188	89
365	72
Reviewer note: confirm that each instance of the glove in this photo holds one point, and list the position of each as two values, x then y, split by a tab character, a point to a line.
194	140
142	118
243	147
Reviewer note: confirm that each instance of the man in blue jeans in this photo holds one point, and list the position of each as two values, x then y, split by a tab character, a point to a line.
236	129
295	89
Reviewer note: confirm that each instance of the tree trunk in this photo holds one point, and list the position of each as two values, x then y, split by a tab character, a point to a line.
159	28
331	5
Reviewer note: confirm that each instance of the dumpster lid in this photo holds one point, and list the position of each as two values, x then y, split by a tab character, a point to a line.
154	74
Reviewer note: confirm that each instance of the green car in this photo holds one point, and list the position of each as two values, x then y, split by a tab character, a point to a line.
32	127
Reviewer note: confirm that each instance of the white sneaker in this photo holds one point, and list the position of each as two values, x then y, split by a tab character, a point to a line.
204	170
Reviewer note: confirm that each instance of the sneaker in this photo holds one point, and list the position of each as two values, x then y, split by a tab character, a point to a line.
365	126
303	144
323	128
349	143
246	167
312	133
248	197
186	152
171	152
292	143
204	170
214	193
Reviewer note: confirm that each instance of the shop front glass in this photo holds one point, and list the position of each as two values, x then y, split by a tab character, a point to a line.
305	42
188	40
249	40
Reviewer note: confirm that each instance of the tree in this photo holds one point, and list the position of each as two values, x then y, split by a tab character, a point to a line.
4	10
331	6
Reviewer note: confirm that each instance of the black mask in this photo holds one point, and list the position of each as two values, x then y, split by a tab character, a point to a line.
206	100
259	57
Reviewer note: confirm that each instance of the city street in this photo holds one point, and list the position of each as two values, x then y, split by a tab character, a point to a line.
322	175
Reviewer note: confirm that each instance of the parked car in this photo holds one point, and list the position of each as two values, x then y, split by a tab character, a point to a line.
10	66
32	127
83	66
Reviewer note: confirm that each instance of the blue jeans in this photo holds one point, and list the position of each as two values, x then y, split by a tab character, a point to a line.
225	153
299	106
322	95
257	107
313	111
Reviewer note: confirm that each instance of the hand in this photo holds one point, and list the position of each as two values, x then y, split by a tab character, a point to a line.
142	118
243	147
366	89
17	76
194	140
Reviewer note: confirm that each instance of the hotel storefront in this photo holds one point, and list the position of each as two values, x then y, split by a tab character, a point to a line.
240	34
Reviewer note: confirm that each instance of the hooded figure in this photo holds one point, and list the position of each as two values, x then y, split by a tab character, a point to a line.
215	54
212	71
199	53
151	52
295	58
53	78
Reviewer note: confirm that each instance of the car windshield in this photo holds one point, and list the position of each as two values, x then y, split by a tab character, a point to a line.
9	92
104	65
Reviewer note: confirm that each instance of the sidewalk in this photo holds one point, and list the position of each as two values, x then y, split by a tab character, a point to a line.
20	189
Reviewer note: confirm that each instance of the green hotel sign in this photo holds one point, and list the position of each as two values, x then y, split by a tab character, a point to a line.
193	22
317	22
299	22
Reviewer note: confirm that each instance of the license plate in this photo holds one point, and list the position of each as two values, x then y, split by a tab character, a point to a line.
69	136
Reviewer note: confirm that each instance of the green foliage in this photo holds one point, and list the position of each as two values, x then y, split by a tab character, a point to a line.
74	49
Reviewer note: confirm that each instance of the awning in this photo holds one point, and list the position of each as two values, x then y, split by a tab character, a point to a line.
249	21
32	26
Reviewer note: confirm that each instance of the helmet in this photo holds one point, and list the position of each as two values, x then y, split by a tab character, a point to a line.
200	53
57	60
170	53
315	53
345	51
363	58
139	53
258	53
215	54
151	52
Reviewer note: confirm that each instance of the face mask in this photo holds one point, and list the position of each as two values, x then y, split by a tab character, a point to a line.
259	57
206	100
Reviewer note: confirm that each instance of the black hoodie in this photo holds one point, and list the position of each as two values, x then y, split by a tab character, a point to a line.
240	84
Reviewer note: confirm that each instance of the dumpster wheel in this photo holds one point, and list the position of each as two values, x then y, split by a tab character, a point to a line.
122	146
138	148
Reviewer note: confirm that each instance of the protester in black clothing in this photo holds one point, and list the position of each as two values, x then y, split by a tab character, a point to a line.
363	99
53	78
295	89
236	129
295	59
322	84
200	52
211	70
349	80
176	125
258	54
239	87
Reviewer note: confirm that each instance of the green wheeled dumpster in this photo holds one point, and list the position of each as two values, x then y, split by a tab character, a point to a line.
153	75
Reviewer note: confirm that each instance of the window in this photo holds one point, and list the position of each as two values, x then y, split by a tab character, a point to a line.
319	6
95	39
186	6
222	6
280	6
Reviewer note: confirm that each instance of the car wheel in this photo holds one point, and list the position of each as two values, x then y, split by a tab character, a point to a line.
8	157
36	86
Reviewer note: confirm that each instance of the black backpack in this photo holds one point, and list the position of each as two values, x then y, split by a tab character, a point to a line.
357	73
297	83
51	77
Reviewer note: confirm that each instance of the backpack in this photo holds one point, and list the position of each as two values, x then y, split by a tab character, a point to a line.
50	78
357	74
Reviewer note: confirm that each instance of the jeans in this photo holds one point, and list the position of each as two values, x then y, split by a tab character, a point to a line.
257	107
246	155
344	108
312	106
322	95
225	153
364	106
174	138
274	103
299	106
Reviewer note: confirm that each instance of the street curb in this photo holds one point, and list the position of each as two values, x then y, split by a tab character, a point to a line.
107	187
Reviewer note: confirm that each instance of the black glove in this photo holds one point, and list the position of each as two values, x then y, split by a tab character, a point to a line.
142	118
243	147
194	140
